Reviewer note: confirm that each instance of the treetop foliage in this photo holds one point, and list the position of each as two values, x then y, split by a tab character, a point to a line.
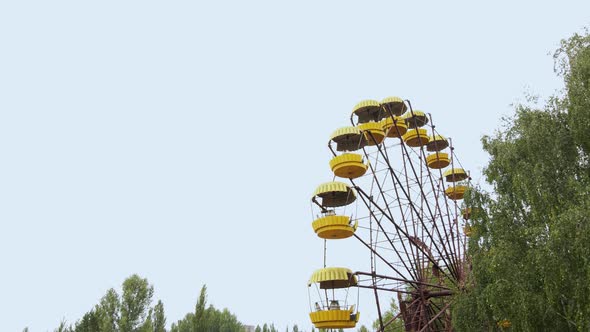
132	311
531	242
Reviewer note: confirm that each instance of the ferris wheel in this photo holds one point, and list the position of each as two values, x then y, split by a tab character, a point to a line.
397	188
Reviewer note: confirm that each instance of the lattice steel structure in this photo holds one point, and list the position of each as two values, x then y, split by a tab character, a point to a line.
408	184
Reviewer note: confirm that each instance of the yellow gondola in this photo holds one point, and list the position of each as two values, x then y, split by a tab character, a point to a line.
334	194
466	213
438	160
437	143
415	137
373	132
348	165
368	110
467	230
335	313
416	119
348	139
455	174
456	192
333	226
393	105
505	324
394	128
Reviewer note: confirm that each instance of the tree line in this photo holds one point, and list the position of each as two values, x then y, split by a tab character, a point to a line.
133	311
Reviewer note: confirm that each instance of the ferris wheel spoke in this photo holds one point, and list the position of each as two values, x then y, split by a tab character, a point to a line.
452	263
419	216
444	290
433	319
404	219
379	256
406	235
409	269
437	192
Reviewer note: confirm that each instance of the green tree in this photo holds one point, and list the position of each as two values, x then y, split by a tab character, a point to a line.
148	324
89	323
573	63
206	319
108	311
159	317
200	310
137	296
363	329
532	235
63	327
130	312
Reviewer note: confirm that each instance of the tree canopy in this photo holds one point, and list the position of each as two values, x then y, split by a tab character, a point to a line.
132	311
205	319
530	247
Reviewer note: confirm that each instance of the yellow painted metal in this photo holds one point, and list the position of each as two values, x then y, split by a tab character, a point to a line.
373	132
334	227
348	165
333	278
393	128
455	174
334	194
456	192
466	213
505	323
417	119
437	143
438	160
334	319
415	137
467	230
394	105
348	139
368	110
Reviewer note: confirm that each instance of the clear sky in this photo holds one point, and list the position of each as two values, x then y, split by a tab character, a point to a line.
181	140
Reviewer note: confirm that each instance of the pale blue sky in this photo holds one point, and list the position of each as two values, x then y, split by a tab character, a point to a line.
181	140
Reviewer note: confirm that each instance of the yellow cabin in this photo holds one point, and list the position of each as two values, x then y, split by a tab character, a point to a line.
348	139
505	324
415	137
394	127
373	132
368	110
456	192
348	166
466	213
332	226
334	194
437	143
438	160
467	230
332	310
416	119
393	105
455	174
